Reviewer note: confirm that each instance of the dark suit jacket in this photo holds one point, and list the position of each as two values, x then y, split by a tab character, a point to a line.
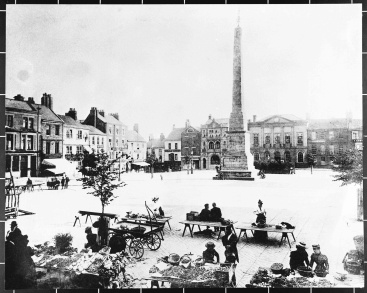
232	242
216	214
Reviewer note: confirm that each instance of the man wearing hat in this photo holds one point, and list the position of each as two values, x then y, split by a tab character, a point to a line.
299	257
210	252
229	241
321	260
14	233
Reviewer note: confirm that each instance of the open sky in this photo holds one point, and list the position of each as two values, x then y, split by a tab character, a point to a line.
160	65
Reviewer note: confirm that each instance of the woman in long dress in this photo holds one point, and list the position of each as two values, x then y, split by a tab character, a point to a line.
260	213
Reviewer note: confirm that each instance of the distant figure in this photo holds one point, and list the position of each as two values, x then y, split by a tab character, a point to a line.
29	184
161	177
67	182
92	240
62	182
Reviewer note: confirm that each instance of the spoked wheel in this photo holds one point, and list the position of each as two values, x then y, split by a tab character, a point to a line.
136	248
153	242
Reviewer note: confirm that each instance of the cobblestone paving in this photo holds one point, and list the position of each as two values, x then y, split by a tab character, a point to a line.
317	206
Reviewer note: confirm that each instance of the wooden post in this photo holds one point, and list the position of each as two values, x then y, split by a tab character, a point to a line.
360	204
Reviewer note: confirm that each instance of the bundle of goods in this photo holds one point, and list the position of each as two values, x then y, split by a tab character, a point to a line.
321	273
226	222
174	259
185	261
305	271
261	278
192	216
277	268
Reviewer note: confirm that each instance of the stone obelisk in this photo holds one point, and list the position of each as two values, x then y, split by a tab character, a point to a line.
237	158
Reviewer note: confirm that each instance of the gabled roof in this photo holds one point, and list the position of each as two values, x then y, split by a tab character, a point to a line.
132	135
18	105
223	122
155	143
112	120
47	114
71	122
94	131
175	134
334	123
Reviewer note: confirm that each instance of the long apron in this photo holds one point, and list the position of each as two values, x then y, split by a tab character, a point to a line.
260	235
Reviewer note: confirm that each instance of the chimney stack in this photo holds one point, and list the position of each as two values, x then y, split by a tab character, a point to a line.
115	115
101	112
136	127
151	136
210	116
174	126
162	137
47	101
187	123
254	118
30	100
72	113
19	97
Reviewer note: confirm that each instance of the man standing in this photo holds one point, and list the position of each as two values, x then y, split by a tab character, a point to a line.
229	241
62	182
67	182
216	215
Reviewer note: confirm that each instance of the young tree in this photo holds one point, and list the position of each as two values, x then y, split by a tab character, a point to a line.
349	165
151	159
311	160
102	180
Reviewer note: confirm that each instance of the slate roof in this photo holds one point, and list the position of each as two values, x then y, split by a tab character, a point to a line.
175	134
71	122
224	122
155	143
47	114
94	131
18	105
334	123
132	135
112	120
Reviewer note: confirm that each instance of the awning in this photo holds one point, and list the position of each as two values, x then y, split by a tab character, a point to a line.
58	166
141	164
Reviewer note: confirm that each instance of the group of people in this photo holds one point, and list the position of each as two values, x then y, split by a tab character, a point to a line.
299	257
20	272
63	182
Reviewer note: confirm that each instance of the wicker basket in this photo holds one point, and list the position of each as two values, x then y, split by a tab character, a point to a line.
189	217
321	274
304	271
353	268
359	243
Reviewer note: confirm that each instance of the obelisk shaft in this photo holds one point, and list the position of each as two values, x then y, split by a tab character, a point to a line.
236	117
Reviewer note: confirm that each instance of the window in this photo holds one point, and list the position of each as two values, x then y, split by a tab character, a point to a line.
204	133
80	134
110	141
57	129
322	149
314	149
331	134
176	157
267	138
217	145
300	157
323	158
10	141
354	134
211	145
256	139
204	144
97	140
257	157
102	139
117	131
287	138
48	129
25	122
93	140
267	155
48	148
68	133
224	143
110	130
117	142
23	142
321	135
30	123
287	156
176	145
123	131
9	120
169	146
57	147
79	149
30	142
69	149
313	135
71	133
331	149
277	138
300	138
15	163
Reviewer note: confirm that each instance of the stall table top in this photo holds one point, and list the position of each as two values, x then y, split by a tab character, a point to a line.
89	214
162	220
191	224
269	228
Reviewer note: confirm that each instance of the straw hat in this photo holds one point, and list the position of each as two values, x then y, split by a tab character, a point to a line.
301	245
210	244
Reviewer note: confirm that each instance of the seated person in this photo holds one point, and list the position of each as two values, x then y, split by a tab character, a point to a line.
205	213
321	260
92	240
299	257
29	183
209	253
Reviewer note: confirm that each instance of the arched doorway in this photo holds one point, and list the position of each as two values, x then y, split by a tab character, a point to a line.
300	157
204	163
277	156
171	156
214	160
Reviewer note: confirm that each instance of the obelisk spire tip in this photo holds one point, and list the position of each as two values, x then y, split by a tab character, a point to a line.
238	18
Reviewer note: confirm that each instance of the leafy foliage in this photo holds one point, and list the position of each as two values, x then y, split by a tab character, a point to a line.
63	242
101	178
311	160
349	165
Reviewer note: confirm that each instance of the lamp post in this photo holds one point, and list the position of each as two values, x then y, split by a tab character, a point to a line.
38	147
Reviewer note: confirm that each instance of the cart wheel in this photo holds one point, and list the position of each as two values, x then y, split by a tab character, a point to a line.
153	242
136	248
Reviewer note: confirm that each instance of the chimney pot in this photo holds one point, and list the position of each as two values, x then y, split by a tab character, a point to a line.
254	118
101	112
19	97
136	127
162	136
210	116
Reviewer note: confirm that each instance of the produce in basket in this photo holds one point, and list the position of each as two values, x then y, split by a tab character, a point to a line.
276	268
305	271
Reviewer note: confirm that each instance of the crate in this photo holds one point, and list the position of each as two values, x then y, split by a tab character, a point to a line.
197	218
189	217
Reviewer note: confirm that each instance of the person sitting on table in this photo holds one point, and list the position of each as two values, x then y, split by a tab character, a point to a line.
29	184
260	213
205	214
92	240
229	241
321	260
299	257
215	215
209	253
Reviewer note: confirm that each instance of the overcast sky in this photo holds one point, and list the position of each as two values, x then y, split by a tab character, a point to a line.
160	65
